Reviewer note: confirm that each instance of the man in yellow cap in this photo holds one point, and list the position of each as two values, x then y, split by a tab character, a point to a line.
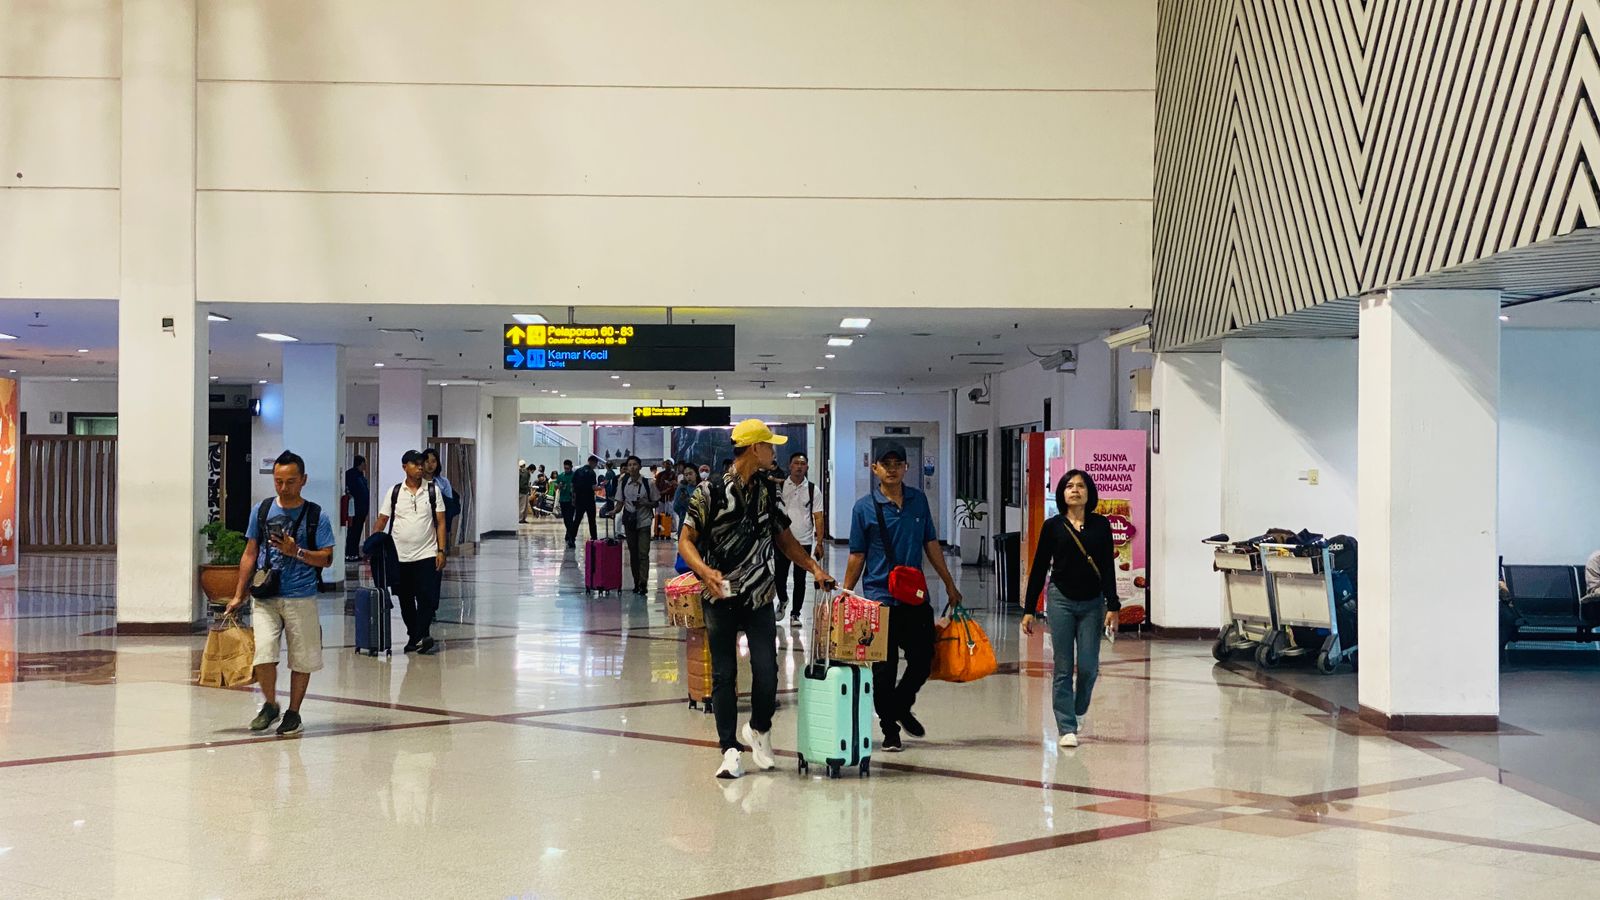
733	526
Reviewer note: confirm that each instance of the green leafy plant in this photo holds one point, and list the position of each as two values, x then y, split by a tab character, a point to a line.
223	544
969	512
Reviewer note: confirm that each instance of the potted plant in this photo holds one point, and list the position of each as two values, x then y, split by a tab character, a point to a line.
969	519
220	575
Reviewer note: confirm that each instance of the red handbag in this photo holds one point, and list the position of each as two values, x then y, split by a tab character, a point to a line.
907	584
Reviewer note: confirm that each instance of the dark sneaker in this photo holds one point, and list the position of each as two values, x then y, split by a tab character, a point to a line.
411	646
782	605
265	718
794	621
891	744
912	726
290	724
427	646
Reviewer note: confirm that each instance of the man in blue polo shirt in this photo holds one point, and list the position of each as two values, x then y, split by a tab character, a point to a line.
907	525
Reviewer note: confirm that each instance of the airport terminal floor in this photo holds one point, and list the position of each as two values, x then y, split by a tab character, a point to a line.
548	751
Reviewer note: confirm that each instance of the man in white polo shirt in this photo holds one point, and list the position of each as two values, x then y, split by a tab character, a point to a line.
413	514
799	498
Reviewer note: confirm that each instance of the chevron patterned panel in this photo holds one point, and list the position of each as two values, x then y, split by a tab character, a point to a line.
1309	150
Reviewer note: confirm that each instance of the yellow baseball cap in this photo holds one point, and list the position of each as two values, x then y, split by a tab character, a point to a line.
754	431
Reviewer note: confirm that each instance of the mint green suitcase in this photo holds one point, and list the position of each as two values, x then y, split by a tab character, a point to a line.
835	717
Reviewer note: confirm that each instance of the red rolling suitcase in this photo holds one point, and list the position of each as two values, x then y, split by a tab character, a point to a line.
602	565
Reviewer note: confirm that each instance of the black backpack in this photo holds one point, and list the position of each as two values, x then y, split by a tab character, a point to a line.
433	506
311	515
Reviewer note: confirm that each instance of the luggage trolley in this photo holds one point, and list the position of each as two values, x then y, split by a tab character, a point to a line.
1248	594
1307	594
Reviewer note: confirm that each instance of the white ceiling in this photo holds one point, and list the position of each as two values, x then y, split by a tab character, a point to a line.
913	351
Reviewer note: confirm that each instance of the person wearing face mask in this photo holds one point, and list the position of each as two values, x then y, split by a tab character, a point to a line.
1076	550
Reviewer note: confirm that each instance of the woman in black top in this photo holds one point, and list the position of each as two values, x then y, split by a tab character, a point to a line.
1075	549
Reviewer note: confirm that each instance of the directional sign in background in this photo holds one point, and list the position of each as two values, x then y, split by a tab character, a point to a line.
619	348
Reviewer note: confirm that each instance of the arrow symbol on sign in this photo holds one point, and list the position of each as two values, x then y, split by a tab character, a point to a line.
516	334
514	358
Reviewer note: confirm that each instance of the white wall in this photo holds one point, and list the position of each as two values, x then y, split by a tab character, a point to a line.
851	409
1186	491
41	398
361	401
1288	406
491	151
266	439
1549	441
60	114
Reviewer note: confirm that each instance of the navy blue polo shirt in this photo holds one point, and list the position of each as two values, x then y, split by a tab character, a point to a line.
910	529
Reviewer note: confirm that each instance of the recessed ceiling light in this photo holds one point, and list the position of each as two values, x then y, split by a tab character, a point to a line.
854	324
1505	318
275	336
616	378
791	395
530	319
377	365
72	379
840	341
808	387
262	381
213	378
7	337
83	349
213	317
820	368
624	384
563	395
830	356
13	371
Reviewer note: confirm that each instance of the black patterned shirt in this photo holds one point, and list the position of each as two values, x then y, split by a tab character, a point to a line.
739	544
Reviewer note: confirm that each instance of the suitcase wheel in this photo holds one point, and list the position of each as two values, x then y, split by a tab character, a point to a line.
866	768
833	770
803	767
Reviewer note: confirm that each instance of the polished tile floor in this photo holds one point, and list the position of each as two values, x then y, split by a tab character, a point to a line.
547	751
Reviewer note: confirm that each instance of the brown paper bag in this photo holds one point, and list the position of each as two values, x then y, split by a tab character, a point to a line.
229	658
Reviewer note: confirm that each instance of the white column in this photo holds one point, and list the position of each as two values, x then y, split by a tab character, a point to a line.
161	387
400	423
1288	435
313	401
498	445
1430	391
1186	491
458	411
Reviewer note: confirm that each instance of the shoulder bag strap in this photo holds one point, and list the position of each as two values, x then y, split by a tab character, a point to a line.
394	508
313	519
1081	549
883	533
261	533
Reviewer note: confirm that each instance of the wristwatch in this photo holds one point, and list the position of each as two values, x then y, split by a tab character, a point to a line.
300	554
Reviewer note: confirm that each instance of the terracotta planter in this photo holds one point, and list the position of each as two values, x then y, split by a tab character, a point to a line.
218	582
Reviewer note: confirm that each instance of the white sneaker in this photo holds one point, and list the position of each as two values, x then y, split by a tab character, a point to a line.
1070	739
732	766
760	748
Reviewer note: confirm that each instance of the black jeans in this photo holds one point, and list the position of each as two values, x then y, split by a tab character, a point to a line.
416	586
569	518
724	620
780	571
352	537
638	539
579	510
910	630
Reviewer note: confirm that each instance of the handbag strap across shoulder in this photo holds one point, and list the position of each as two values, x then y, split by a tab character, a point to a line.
883	534
1079	541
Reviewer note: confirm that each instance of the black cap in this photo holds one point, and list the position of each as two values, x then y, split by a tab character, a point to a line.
892	451
412	456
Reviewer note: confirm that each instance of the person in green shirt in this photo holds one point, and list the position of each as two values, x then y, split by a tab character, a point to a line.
569	513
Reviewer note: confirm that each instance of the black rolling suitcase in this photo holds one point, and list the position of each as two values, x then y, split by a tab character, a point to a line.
373	605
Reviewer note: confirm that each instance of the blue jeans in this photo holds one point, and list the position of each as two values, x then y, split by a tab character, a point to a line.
1075	627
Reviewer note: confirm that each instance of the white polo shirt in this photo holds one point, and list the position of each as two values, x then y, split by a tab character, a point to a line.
798	504
412	523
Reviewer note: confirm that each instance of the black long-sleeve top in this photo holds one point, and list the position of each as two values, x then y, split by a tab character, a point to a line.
1070	572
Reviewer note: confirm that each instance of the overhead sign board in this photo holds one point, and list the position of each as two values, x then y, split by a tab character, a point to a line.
709	416
619	348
